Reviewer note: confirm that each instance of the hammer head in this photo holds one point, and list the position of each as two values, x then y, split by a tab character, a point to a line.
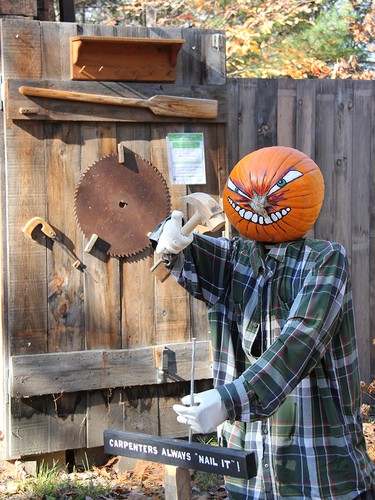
211	213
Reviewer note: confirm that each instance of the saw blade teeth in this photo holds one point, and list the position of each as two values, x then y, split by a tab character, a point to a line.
131	254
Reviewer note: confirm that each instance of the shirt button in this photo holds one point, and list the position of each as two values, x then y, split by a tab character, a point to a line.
266	466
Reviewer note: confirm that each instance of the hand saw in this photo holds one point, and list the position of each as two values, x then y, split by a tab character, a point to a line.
46	229
160	105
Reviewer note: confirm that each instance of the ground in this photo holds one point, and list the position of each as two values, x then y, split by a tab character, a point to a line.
369	430
145	481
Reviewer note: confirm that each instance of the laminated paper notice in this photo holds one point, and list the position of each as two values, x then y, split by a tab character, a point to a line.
186	158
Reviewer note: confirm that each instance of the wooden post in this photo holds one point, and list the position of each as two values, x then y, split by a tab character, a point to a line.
67	12
177	483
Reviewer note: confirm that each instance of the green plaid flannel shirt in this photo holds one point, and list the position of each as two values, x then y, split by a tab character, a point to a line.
285	363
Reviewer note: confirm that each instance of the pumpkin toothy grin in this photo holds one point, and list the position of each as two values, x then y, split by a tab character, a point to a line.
259	219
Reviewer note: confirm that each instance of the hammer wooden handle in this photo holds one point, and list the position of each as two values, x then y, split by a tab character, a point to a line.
191	224
158	269
195	220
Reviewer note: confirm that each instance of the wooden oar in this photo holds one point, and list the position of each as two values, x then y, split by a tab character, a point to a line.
161	105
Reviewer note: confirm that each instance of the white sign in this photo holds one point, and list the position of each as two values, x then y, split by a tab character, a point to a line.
186	158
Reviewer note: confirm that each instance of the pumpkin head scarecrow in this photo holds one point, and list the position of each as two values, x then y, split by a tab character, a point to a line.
285	363
274	194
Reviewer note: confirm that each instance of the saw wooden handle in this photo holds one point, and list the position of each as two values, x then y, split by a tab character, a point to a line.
162	105
38	221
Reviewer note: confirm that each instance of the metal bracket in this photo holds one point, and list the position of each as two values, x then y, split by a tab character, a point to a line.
217	41
2	93
161	362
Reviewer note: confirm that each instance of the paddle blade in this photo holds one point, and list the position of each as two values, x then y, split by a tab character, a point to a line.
188	107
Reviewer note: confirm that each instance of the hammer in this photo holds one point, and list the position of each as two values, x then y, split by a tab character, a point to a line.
208	212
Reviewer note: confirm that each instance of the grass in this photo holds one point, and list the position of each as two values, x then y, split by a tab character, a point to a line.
207	482
51	483
54	483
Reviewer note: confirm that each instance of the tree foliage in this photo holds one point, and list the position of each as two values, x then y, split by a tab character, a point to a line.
265	38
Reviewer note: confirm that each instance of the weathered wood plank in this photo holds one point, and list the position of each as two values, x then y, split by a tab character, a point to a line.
343	166
142	409
4	337
222	164
242	125
172	316
43	108
48	423
232	132
98	369
286	113
306	117
247	117
102	293
25	178
305	122
361	201
213	159
325	126
55	49
134	31
213	58
19	8
372	240
105	410
21	48
191	57
267	113
27	290
102	312
170	394
138	321
24	197
65	283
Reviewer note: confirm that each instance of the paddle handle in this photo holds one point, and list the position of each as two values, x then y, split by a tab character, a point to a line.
82	97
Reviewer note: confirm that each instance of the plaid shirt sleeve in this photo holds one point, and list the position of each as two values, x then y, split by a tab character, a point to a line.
313	320
203	268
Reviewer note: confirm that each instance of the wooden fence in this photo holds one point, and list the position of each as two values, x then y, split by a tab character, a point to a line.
332	121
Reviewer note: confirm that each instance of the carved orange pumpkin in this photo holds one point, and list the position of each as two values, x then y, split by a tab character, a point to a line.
274	194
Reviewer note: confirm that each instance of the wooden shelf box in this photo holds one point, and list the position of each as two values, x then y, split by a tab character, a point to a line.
117	59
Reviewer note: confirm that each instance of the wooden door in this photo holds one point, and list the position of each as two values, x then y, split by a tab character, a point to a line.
81	347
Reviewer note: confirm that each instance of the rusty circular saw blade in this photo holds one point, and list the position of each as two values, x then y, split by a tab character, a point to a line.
121	203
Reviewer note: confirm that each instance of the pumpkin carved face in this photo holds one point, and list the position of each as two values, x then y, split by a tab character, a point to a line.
274	194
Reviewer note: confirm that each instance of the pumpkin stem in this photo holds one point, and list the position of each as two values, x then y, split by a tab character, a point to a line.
259	203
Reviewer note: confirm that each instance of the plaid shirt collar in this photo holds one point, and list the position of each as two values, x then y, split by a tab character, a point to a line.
261	251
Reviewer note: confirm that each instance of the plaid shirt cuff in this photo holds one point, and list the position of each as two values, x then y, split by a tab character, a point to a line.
237	397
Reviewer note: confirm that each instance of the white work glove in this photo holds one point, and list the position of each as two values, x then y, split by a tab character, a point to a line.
207	413
171	240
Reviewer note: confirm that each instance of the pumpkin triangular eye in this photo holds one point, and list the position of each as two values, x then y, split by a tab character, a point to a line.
231	185
289	177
